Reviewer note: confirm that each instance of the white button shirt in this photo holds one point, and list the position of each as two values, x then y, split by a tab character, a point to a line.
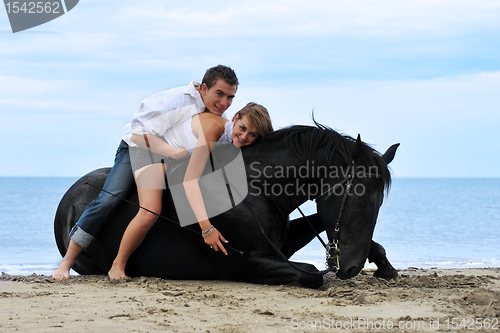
163	110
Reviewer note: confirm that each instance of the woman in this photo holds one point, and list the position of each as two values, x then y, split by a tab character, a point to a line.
195	135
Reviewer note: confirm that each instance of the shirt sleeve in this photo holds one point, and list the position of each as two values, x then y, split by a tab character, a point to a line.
157	116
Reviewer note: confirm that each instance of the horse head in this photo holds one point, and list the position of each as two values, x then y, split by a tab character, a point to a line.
349	206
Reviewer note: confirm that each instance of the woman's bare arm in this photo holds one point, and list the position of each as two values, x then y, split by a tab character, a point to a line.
208	131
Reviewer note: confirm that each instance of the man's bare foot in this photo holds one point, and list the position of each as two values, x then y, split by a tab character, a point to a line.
116	273
62	271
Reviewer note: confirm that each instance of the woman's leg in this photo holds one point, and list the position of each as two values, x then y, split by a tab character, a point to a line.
150	197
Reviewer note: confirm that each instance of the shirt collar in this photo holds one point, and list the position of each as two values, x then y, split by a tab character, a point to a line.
191	90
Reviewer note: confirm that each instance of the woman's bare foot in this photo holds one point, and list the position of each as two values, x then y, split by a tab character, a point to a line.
116	272
62	271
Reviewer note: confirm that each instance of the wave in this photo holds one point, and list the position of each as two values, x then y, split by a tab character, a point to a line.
311	258
319	263
29	269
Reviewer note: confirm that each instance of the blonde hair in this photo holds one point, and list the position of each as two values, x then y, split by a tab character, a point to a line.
259	116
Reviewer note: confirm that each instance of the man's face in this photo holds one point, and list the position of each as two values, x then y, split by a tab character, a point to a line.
218	98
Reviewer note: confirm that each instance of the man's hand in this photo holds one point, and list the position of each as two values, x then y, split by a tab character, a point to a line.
158	146
179	154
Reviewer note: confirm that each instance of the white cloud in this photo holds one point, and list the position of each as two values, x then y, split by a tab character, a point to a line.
387	69
468	97
384	19
282	36
316	17
446	125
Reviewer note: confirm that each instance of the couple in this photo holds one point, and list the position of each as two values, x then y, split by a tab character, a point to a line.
168	126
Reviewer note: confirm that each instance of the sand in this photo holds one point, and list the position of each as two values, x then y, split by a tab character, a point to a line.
462	300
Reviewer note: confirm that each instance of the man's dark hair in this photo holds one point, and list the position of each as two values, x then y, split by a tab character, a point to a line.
219	72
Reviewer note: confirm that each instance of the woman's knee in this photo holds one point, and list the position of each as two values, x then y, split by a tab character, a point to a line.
147	218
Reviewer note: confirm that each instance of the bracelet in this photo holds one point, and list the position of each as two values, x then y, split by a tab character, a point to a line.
208	231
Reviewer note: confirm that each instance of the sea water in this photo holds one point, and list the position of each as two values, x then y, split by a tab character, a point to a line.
436	222
424	223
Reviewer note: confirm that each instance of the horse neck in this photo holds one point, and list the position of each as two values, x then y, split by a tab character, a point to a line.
288	180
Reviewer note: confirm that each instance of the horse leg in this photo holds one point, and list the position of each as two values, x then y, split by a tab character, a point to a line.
384	268
300	234
271	270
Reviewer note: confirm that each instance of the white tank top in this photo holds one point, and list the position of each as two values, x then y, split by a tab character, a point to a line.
181	135
227	136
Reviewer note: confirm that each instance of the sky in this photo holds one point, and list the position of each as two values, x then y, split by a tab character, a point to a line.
425	74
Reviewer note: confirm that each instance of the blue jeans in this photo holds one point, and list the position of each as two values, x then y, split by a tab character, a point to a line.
120	181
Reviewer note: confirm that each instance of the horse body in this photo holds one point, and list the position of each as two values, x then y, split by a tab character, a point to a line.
275	189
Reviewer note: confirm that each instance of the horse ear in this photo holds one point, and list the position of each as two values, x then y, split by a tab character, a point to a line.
389	154
359	153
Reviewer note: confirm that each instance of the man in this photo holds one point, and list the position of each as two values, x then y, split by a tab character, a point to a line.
155	115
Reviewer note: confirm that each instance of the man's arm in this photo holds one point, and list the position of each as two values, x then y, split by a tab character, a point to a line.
158	146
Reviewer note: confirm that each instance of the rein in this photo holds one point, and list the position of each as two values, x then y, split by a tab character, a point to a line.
332	249
159	215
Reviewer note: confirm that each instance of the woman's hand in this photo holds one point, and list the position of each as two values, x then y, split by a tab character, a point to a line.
214	239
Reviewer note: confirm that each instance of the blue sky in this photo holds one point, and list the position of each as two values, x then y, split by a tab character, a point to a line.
422	73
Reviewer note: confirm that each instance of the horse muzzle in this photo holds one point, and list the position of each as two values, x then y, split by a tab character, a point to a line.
348	273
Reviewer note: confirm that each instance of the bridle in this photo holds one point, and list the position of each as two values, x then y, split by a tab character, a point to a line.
332	248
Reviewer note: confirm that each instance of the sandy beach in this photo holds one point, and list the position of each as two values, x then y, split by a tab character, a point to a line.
418	301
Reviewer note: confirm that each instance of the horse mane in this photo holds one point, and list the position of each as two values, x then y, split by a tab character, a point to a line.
304	140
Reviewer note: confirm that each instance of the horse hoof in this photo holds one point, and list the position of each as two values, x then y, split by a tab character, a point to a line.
387	274
314	282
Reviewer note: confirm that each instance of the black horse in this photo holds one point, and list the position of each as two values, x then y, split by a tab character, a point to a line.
346	177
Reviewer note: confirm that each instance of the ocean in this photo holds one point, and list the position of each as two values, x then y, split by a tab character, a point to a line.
423	223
